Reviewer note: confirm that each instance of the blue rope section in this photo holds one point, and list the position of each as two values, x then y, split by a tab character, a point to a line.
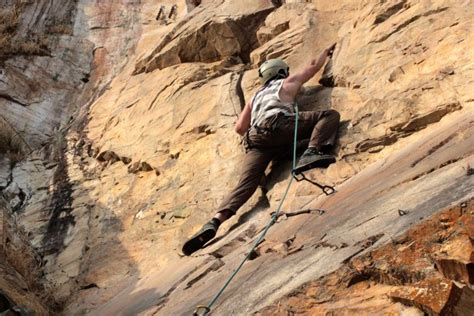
272	221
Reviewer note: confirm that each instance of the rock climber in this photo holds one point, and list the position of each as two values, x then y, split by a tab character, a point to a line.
267	124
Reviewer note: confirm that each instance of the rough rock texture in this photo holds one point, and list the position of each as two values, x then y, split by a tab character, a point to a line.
39	88
22	289
56	56
423	271
150	152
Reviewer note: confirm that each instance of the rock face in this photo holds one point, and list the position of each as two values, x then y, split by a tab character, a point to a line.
56	56
110	165
209	36
46	67
394	278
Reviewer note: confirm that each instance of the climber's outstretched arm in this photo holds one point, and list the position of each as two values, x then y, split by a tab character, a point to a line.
293	83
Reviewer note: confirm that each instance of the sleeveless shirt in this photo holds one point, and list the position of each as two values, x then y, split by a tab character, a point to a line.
266	103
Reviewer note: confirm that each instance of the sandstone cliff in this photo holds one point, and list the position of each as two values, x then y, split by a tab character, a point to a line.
117	143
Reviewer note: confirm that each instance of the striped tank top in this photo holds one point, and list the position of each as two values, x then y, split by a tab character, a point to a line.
266	103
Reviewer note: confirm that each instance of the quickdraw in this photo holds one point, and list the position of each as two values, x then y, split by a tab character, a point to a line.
327	189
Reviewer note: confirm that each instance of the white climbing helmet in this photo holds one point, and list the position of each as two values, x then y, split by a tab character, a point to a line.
271	68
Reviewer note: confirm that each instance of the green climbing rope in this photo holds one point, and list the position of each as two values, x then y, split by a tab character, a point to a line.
206	309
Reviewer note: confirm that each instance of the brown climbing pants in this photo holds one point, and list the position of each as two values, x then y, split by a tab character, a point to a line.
269	140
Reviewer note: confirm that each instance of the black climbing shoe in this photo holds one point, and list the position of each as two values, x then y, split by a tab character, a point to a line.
207	232
312	158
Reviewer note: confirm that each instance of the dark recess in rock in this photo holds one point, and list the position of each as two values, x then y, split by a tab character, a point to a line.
108	155
389	12
61	203
89	286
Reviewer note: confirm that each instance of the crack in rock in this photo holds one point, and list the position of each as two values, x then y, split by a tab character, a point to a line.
408	22
394	9
216	265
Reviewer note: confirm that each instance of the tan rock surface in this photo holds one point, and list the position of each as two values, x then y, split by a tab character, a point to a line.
149	155
397	278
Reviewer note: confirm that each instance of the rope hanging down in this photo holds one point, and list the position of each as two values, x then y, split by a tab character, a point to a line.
202	310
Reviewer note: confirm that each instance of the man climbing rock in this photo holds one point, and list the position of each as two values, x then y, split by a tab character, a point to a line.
267	123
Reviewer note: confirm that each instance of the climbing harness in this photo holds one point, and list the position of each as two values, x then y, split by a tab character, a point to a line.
202	310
